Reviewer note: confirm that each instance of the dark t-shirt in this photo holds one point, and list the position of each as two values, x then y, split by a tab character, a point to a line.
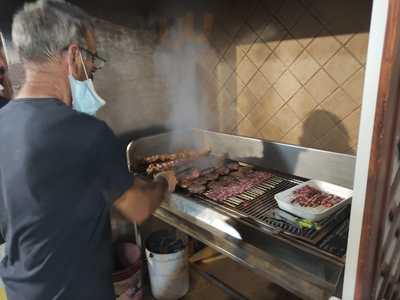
3	102
59	172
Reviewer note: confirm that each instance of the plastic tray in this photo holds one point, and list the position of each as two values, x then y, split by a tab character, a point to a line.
313	213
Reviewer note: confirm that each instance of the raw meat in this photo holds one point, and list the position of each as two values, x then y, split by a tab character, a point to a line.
221	193
308	196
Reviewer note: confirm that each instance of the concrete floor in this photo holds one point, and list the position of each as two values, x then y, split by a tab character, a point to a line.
234	275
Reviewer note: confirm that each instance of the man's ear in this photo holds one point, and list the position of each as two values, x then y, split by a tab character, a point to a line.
74	63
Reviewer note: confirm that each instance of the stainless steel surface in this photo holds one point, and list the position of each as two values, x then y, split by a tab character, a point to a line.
333	167
299	270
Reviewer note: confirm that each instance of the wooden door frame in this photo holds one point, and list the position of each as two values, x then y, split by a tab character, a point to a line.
370	99
385	136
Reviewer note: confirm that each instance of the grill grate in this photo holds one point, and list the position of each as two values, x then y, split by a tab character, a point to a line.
259	202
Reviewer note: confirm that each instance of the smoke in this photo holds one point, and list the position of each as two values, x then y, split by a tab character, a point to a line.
178	61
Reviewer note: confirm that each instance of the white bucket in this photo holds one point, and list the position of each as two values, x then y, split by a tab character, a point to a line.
169	274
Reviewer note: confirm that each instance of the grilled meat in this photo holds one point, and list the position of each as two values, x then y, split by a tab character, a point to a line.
185	183
211	176
213	185
233	166
190	174
308	196
185	154
223	170
200	180
221	192
226	180
159	167
207	171
197	188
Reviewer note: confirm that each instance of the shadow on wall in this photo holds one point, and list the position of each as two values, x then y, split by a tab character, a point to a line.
337	140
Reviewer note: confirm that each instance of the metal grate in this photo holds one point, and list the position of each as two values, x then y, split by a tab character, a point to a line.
256	206
259	202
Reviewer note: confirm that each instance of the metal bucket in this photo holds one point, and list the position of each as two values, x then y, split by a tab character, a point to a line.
167	262
127	279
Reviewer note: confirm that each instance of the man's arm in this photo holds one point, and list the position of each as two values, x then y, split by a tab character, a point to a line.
143	197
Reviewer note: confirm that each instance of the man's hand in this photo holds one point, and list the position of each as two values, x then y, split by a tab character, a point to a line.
170	177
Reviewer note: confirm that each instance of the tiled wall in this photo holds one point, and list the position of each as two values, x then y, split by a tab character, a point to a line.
284	70
292	71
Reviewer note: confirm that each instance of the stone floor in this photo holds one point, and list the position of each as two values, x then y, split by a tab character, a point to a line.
250	285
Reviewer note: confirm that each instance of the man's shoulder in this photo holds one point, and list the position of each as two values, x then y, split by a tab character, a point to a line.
52	115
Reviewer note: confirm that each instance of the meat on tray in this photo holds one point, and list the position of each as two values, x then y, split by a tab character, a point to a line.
308	196
185	154
220	193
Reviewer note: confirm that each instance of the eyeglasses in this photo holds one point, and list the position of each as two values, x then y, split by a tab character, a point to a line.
97	61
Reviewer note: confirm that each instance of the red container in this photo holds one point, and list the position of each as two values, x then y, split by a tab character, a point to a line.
127	279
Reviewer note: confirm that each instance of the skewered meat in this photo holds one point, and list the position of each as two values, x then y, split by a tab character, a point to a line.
308	196
156	168
220	193
185	154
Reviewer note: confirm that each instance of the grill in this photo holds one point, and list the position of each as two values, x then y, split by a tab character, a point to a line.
309	263
257	204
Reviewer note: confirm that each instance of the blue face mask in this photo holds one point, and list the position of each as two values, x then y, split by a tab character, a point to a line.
84	96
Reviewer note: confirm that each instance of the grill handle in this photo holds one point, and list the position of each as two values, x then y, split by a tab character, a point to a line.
130	156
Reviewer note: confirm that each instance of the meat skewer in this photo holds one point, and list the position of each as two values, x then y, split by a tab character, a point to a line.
186	154
159	167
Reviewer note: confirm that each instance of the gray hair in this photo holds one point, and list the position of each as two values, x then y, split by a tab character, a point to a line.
41	30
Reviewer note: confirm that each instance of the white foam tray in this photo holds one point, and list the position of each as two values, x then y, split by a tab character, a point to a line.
313	213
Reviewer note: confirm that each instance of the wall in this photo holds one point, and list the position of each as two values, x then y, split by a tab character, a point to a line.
293	71
289	71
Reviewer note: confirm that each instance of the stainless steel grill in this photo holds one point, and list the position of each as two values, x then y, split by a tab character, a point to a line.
309	263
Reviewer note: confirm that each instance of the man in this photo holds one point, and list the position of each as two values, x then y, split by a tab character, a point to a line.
60	169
